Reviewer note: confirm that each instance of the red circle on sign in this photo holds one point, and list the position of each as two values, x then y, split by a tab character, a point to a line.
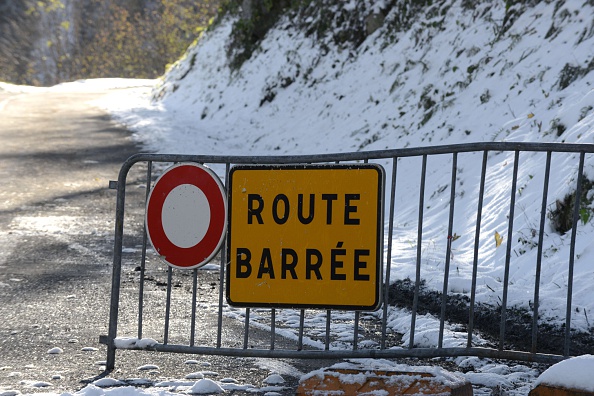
207	247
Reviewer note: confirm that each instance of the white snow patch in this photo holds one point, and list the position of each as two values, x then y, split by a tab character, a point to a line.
36	384
274	379
10	393
197	375
107	382
93	390
575	373
147	367
131	342
205	386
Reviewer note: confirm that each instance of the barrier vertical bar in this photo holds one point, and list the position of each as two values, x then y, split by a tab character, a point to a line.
301	323
510	230
327	338
224	256
543	211
356	331
576	214
328	317
143	257
168	305
246	329
194	295
419	249
272	328
444	296
389	254
477	237
117	266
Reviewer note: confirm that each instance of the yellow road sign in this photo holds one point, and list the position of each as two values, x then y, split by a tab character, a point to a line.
306	236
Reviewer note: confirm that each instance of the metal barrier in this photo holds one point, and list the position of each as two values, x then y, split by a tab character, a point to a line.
294	336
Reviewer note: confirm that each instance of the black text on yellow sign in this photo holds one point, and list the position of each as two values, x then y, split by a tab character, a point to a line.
306	236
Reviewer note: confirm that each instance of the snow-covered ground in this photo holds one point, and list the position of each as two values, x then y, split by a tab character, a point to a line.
452	77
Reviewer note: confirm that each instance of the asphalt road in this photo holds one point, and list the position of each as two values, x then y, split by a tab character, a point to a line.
57	155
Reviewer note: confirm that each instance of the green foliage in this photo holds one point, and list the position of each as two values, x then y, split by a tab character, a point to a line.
329	22
45	6
16	40
585	214
407	11
124	38
326	20
571	73
562	215
257	17
140	44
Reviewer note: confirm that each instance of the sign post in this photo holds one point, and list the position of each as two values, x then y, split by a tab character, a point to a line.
186	215
306	236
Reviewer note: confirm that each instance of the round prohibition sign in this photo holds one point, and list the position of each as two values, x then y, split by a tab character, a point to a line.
186	215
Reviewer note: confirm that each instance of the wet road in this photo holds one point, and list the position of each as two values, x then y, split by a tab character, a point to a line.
57	155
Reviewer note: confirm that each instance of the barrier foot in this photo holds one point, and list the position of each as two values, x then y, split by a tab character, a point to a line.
111	351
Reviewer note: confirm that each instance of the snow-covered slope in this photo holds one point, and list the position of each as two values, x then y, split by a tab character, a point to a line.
451	77
453	72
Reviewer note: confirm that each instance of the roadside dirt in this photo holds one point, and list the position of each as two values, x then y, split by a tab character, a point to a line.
487	321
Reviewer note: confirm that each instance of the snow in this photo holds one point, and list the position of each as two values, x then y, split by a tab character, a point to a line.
440	375
197	362
147	367
107	382
274	379
447	79
205	386
575	374
99	84
129	342
196	375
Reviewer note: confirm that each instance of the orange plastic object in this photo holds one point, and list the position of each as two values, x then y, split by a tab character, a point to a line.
355	381
544	390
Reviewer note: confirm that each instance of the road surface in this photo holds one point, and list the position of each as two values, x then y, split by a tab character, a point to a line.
57	155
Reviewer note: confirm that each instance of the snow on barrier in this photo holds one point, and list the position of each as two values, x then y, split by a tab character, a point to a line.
472	226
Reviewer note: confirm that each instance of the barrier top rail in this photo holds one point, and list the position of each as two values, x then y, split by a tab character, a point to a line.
373	154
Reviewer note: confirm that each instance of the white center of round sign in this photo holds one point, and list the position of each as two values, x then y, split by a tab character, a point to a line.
185	215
